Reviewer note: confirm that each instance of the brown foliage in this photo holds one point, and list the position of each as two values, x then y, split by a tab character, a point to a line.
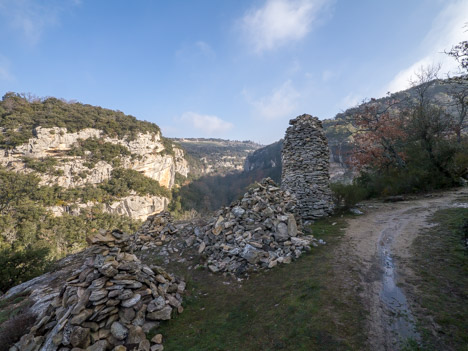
13	329
380	133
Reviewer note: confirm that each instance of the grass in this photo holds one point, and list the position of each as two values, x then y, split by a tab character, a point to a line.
301	306
440	262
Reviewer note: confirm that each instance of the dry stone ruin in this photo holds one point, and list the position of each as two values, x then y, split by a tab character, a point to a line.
305	158
110	303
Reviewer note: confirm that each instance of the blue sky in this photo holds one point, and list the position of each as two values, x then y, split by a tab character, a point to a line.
230	69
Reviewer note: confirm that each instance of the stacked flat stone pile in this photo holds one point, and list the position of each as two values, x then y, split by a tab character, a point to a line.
108	304
155	231
305	174
258	231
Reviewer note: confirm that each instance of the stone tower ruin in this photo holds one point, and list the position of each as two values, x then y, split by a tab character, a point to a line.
305	158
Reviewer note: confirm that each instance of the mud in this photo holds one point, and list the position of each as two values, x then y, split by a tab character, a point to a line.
372	242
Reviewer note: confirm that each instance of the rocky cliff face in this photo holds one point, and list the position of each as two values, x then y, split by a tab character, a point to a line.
216	156
266	157
146	154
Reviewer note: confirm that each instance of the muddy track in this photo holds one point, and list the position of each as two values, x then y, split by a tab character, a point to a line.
370	245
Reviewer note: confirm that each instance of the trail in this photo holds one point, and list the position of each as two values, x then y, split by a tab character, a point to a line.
371	243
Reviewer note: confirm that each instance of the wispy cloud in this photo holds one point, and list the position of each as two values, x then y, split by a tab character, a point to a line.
197	50
30	18
446	31
329	75
281	103
5	72
351	100
207	124
279	22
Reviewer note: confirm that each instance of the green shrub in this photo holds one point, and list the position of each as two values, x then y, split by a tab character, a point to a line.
43	165
347	195
20	115
25	222
99	151
168	147
122	181
17	266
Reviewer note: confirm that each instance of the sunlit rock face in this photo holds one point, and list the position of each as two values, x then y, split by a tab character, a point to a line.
147	156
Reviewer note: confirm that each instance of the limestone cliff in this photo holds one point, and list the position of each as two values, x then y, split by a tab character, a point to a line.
216	156
146	154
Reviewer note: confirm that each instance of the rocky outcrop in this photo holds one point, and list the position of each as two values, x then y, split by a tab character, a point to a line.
148	156
264	158
138	207
181	164
216	156
112	299
305	159
133	206
55	142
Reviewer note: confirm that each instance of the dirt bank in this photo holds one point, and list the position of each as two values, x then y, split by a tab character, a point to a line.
371	243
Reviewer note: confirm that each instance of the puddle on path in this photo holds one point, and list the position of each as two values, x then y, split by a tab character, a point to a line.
400	320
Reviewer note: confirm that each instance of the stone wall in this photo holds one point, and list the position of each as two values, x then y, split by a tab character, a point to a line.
305	174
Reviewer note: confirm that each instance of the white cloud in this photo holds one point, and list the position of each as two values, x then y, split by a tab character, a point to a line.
209	125
281	103
447	30
279	22
31	18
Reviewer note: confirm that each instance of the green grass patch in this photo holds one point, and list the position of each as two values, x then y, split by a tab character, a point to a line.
440	261
301	306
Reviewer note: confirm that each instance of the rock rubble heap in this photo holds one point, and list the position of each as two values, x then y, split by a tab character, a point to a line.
155	231
258	231
305	173
108	304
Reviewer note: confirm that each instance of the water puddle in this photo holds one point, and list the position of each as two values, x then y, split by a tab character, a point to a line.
401	322
460	205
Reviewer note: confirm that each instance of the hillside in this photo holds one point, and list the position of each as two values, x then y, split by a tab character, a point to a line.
80	168
215	156
339	130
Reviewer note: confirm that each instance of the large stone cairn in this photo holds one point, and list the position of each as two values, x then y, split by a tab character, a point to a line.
305	158
108	304
259	231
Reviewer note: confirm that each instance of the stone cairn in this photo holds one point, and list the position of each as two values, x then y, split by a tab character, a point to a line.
305	158
108	304
259	231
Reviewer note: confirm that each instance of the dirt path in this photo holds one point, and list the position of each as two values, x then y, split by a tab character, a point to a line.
371	243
